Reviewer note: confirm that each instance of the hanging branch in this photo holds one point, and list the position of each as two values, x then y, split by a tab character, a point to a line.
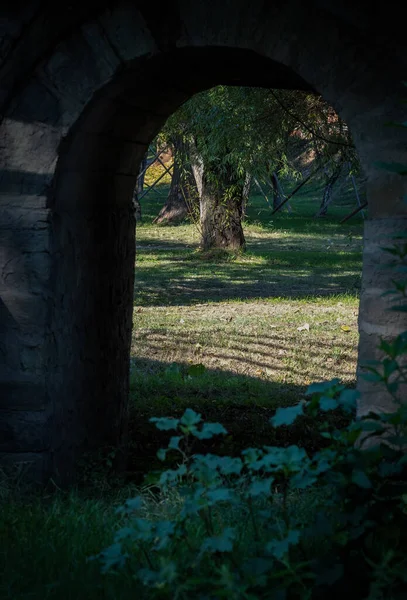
296	118
297	188
354	212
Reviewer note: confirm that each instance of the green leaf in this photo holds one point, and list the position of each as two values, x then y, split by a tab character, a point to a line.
163	531
229	465
260	486
221	543
220	495
361	479
124	533
161	454
347	400
174	442
279	548
303	480
209	430
165	423
131	505
112	557
321	387
172	475
287	416
190	418
327	403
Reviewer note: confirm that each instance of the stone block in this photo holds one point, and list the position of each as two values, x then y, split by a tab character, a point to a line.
20	201
28	154
127	32
18	218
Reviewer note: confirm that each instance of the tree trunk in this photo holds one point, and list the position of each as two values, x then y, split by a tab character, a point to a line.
329	185
246	193
183	189
139	190
221	206
277	196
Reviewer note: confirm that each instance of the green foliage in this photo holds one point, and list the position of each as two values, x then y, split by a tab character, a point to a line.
353	541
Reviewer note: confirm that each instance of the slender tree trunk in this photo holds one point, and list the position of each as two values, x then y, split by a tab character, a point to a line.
329	185
221	206
277	196
246	193
182	190
139	190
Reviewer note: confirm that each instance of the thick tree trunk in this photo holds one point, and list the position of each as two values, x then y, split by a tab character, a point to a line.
221	206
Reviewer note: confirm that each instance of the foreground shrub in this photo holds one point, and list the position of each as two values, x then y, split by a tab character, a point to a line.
277	522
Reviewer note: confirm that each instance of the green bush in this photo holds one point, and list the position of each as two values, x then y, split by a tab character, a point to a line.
240	529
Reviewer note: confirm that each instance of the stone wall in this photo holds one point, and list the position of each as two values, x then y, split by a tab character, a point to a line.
82	95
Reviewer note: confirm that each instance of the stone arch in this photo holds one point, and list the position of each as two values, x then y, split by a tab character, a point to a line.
72	138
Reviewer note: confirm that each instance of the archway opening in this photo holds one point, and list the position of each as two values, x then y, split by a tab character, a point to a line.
93	235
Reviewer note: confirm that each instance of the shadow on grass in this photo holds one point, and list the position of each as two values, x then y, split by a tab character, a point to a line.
263	354
243	404
184	283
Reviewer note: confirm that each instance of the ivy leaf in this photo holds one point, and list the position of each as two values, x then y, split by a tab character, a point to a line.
347	400
327	403
321	387
161	454
279	548
124	533
165	423
174	443
229	465
112	557
260	486
172	475
220	495
163	531
209	430
361	479
220	543
287	416
190	418
303	480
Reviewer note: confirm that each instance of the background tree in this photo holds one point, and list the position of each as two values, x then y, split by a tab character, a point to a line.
233	134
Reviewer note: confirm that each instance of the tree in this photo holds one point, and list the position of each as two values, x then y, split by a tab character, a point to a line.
237	133
182	192
139	190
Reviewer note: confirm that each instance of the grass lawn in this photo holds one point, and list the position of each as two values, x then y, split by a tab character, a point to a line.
231	337
261	325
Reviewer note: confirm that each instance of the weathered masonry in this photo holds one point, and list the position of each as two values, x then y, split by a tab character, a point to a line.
82	94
